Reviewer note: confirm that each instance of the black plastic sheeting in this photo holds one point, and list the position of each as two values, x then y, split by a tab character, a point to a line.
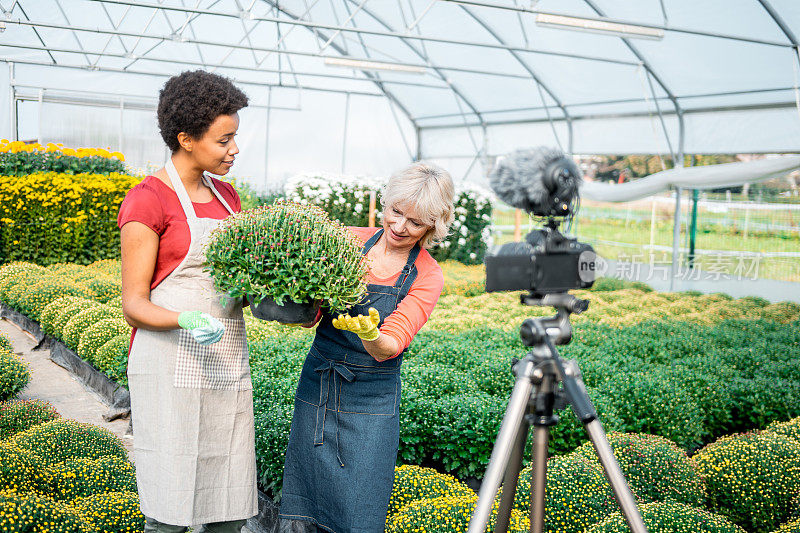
113	394
31	326
267	520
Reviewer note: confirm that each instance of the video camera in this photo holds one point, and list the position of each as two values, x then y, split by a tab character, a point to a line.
544	182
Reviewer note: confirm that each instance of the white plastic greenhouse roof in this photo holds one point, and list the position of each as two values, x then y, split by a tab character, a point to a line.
466	79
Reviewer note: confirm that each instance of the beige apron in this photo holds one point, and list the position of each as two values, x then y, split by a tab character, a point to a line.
192	405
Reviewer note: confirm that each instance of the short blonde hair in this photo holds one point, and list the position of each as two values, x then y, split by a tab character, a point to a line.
429	189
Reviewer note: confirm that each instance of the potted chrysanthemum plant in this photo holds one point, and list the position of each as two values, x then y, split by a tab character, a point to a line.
287	259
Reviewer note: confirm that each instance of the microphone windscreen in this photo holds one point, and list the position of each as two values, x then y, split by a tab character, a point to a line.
519	178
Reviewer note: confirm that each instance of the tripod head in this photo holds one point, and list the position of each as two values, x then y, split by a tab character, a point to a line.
558	328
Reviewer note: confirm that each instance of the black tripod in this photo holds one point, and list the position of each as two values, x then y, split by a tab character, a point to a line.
536	393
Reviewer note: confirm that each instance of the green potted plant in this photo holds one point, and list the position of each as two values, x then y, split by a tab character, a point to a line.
287	259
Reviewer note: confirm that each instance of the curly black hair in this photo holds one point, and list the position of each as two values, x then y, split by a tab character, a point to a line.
192	100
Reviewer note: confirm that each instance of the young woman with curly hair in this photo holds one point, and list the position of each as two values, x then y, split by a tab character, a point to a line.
188	372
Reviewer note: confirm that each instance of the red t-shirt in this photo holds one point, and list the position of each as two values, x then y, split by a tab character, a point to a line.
153	203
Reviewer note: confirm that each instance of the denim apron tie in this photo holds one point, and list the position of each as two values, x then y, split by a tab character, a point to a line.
346	487
332	371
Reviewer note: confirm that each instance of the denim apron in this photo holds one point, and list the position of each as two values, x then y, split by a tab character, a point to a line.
343	443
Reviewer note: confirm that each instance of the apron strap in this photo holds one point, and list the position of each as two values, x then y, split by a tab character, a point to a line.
334	372
412	258
210	184
180	190
371	242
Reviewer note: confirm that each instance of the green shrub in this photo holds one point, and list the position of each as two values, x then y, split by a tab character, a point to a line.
20	159
413	483
28	512
112	512
792	526
612	284
471	230
52	218
112	358
109	267
83	320
98	334
18	469
19	415
15	282
5	343
446	513
273	406
462	426
670	517
50	311
105	287
9	270
464	280
790	428
59	440
14	374
577	494
78	478
64	314
49	288
652	402
656	469
288	240
751	478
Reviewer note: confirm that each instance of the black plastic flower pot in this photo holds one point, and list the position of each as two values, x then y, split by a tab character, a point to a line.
288	313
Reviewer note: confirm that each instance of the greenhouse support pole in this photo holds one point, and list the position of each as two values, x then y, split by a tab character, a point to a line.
121	125
344	135
12	101
693	227
40	103
266	138
676	237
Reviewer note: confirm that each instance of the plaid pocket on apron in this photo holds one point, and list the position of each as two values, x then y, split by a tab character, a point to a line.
221	366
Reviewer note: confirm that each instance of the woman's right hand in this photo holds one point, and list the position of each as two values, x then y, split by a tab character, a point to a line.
204	328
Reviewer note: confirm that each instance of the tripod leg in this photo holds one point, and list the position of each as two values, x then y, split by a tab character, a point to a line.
586	413
541	439
501	453
622	491
511	478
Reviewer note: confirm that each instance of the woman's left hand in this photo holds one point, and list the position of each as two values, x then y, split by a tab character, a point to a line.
365	326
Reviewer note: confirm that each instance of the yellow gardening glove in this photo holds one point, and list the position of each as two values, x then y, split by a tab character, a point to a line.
366	327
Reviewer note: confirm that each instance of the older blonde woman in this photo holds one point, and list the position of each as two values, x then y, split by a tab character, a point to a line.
345	430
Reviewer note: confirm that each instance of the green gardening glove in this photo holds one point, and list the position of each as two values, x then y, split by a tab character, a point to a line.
204	328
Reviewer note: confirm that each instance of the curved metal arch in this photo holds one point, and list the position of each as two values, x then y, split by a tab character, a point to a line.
787	31
422	56
320	36
779	22
646	64
530	71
